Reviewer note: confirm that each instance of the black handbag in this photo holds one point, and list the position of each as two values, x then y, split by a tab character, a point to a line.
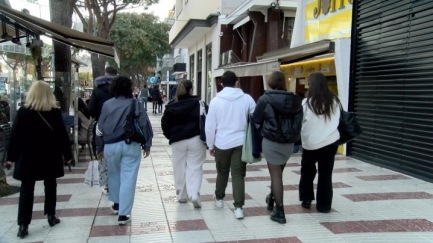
133	132
349	127
202	121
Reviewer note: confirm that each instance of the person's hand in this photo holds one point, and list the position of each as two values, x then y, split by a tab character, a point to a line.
68	162
8	165
146	153
100	155
212	152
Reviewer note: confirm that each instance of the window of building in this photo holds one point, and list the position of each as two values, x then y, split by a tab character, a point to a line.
289	24
208	72
191	68
199	72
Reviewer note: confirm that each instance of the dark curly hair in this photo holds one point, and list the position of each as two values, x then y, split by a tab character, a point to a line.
121	86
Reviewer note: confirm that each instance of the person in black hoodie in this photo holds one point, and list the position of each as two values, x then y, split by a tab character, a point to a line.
156	96
280	114
97	100
181	125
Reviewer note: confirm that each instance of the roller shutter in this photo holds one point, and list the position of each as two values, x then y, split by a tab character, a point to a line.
393	84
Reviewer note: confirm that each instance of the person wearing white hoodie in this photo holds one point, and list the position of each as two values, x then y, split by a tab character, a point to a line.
225	127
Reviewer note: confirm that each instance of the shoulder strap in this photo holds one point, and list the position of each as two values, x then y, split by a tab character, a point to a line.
46	121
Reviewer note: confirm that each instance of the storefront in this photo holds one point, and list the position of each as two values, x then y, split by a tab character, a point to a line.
321	43
392	85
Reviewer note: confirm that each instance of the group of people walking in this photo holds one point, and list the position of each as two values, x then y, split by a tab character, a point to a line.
113	107
282	118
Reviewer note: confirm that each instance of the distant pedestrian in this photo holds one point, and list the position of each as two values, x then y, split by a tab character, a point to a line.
226	123
180	124
39	145
123	156
279	113
320	142
144	94
156	96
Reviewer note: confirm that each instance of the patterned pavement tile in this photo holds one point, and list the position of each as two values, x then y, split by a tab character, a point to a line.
288	209
295	187
229	197
149	228
363	197
247	179
189	225
69	212
383	177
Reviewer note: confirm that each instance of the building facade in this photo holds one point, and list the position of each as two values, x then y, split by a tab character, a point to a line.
230	33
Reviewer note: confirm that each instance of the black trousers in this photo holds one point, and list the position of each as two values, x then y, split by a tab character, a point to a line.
325	161
25	207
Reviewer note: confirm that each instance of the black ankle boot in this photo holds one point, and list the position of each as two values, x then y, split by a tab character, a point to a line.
270	200
278	215
52	220
23	230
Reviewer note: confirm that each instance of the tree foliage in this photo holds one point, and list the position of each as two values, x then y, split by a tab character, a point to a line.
98	16
139	40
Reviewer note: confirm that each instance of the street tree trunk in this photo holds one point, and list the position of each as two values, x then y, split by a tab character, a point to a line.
98	65
61	13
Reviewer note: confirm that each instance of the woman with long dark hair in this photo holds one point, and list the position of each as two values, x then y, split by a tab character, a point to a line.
123	156
320	142
280	114
180	124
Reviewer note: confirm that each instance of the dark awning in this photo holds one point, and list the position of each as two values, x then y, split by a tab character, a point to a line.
297	53
60	33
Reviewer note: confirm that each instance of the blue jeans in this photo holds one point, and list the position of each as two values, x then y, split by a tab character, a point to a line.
123	164
144	101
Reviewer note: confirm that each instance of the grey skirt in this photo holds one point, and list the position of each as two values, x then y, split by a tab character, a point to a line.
276	153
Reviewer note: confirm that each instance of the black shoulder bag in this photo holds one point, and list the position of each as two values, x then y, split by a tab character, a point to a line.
133	132
349	127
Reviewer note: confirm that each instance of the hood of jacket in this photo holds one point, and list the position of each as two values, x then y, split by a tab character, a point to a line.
285	103
104	80
230	94
184	106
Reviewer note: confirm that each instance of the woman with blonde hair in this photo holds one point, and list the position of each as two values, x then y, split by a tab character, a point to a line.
39	145
181	125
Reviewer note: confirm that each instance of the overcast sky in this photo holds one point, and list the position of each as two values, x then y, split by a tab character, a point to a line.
42	10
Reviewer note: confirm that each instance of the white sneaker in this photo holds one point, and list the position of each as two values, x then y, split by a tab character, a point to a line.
105	190
239	213
196	201
218	203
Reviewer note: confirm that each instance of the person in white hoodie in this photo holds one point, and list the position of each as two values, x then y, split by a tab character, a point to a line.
225	127
320	137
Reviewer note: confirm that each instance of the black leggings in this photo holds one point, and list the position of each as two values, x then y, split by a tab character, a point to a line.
277	189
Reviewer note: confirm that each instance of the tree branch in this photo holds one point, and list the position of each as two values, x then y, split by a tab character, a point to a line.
83	20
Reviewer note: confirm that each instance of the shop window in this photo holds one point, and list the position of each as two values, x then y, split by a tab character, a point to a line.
199	72
191	68
208	72
289	24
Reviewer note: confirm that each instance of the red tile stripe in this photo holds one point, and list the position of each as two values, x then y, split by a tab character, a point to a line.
289	209
296	187
257	178
374	226
383	177
109	230
364	197
69	212
339	170
40	199
70	180
269	240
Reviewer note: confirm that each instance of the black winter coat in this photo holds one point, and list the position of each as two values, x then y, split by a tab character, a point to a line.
181	119
280	114
38	151
99	95
156	95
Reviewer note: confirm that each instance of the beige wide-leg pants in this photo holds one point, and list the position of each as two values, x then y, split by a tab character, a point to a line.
188	159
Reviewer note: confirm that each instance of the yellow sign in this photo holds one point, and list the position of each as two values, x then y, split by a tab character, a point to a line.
326	6
327	19
306	68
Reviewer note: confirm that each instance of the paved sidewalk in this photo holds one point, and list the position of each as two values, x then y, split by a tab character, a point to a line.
370	204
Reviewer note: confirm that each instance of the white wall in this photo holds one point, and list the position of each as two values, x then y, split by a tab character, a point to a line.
209	36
